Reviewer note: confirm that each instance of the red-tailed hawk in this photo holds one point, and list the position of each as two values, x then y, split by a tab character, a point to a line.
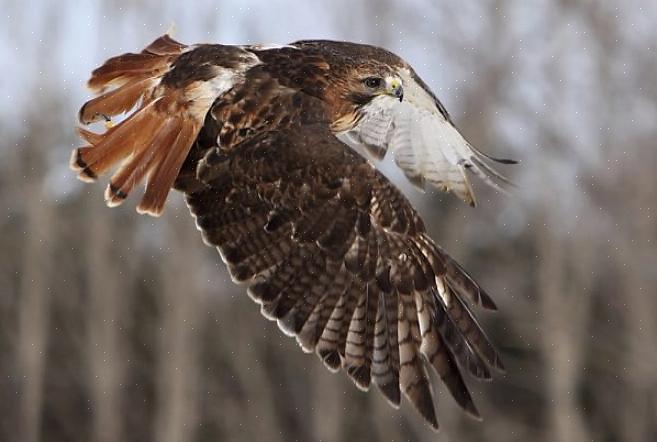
274	150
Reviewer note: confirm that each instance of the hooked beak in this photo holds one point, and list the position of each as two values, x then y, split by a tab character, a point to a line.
395	89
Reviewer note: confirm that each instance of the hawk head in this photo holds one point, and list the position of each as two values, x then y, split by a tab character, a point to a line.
366	84
357	75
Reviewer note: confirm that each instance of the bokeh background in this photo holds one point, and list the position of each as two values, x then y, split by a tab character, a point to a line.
119	327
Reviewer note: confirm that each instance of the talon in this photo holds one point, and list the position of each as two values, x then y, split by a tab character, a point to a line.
108	121
109	124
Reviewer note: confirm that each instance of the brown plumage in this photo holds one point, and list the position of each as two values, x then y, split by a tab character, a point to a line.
266	145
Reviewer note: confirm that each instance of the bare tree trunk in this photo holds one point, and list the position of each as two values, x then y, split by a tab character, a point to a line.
33	309
104	348
254	379
328	420
641	351
176	415
564	310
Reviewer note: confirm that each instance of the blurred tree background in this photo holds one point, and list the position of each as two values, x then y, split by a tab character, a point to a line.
119	327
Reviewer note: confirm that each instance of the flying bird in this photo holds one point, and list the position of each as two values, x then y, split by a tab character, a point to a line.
275	149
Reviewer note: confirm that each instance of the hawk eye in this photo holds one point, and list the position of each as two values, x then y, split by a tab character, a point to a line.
373	82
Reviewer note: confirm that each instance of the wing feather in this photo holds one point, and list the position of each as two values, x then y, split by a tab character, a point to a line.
424	142
346	269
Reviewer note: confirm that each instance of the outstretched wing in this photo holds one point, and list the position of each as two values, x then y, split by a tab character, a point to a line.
425	143
338	257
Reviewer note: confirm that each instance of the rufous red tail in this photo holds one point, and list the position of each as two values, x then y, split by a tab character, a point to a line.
149	145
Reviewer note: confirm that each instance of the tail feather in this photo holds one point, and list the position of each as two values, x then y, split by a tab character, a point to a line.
116	101
118	70
152	143
165	172
90	137
164	45
117	143
137	166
